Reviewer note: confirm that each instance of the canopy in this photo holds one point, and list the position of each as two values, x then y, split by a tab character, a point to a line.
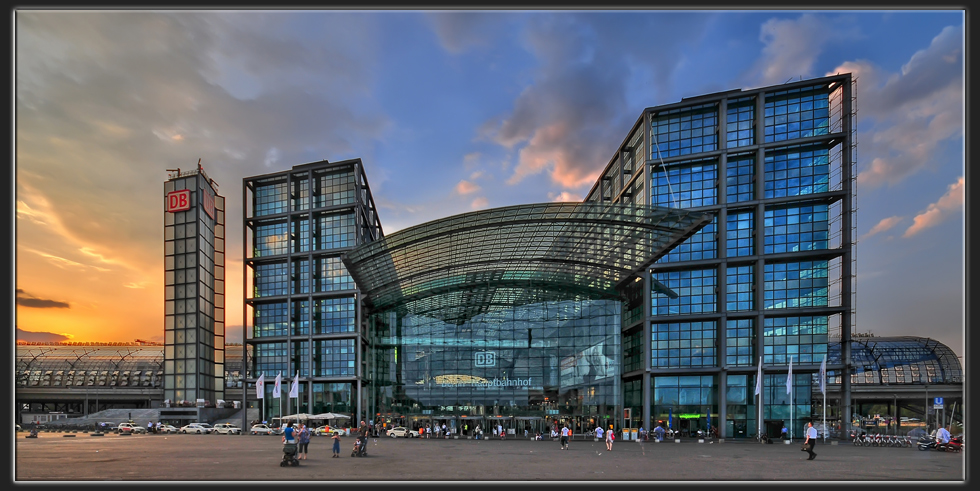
462	266
329	416
298	416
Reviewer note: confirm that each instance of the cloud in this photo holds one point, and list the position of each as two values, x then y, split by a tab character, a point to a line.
466	187
42	337
792	46
459	31
938	212
479	203
271	157
25	299
883	226
911	112
564	196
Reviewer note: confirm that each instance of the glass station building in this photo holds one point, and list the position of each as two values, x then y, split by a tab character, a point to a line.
720	232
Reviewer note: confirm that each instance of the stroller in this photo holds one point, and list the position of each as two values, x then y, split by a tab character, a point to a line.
360	447
289	455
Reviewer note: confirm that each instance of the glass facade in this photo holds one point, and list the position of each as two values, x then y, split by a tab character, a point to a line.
542	362
194	291
765	279
303	310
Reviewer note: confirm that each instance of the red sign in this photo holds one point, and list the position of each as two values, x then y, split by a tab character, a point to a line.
208	202
179	200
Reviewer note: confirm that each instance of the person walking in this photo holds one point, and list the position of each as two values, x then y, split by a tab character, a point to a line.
336	445
304	441
610	436
288	434
598	432
811	440
783	433
659	432
564	437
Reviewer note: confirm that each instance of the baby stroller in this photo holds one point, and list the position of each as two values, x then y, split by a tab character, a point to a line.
289	455
360	447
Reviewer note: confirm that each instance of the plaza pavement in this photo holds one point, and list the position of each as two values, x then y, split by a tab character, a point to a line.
255	458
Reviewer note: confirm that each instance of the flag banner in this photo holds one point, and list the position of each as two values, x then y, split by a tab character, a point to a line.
277	389
260	387
789	378
758	379
294	389
823	375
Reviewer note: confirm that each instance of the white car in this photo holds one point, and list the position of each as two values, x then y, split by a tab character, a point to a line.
402	432
328	431
130	428
227	429
263	429
199	428
167	429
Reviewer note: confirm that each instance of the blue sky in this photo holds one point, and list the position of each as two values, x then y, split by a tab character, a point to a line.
450	111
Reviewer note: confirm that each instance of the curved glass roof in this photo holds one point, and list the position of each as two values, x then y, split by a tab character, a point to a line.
42	365
460	266
898	360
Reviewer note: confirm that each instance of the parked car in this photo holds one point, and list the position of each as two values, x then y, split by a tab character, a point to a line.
328	431
168	429
402	432
130	428
227	429
198	428
263	429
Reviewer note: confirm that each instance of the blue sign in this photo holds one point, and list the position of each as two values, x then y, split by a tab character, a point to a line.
938	401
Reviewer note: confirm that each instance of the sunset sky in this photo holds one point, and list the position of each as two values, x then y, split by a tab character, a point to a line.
450	111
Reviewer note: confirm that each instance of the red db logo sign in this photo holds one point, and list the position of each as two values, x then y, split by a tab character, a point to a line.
179	200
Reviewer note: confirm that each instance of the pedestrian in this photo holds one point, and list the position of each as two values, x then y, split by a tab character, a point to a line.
610	436
564	437
811	440
598	432
444	433
783	433
659	431
149	427
288	435
336	445
304	441
500	431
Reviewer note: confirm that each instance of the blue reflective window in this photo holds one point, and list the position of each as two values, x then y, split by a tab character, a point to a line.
270	239
804	338
271	280
797	113
739	288
270	199
740	175
797	228
740	339
740	121
686	184
701	245
795	284
797	171
684	131
739	237
270	319
696	292
683	344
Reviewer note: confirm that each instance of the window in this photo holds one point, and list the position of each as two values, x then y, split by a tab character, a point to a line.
740	122
797	228
695	289
740	287
797	171
740	234
683	344
740	174
684	131
797	113
795	285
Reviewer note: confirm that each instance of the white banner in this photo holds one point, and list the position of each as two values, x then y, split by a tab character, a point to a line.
277	389
294	389
260	387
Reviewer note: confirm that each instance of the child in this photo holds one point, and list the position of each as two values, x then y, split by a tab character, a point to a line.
336	445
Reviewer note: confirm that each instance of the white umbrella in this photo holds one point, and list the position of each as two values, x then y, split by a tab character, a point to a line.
329	416
300	416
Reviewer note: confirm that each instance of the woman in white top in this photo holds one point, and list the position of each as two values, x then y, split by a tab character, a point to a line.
609	439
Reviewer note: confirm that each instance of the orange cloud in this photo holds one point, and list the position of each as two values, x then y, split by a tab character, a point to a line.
884	225
939	211
548	149
564	196
479	203
466	187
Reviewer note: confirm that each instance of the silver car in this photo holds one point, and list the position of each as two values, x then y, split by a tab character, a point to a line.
199	428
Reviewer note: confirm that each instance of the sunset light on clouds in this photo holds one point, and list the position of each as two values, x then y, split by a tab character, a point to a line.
450	111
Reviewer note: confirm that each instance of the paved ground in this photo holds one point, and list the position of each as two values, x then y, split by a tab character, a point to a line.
55	457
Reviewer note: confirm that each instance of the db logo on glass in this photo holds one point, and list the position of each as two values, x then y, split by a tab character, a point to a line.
485	359
179	200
